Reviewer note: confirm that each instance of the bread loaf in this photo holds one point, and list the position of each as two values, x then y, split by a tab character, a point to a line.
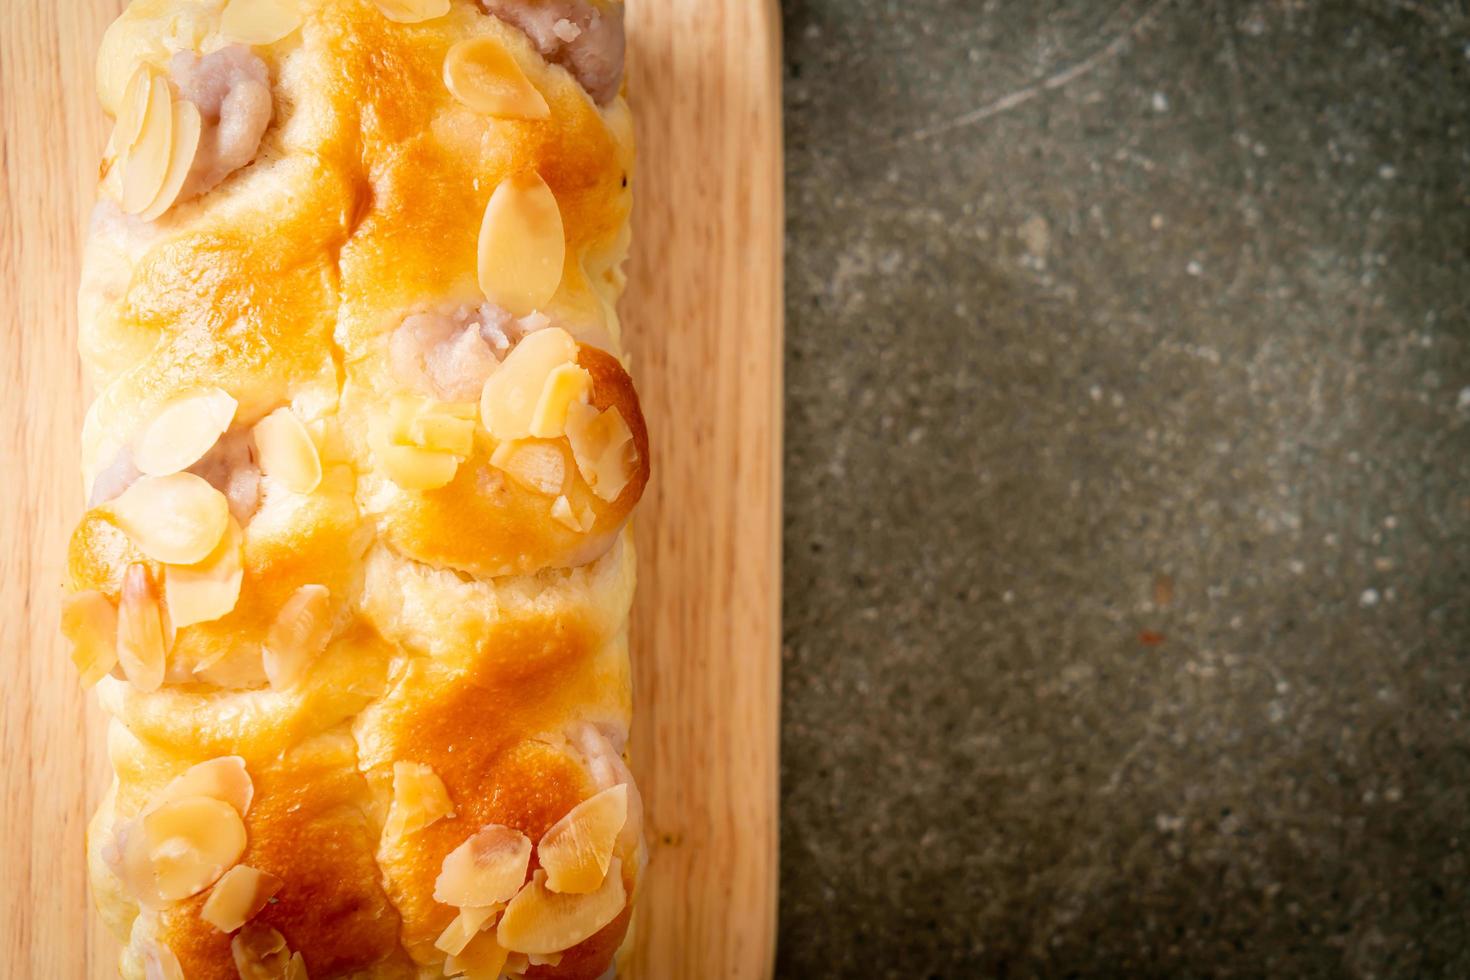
354	578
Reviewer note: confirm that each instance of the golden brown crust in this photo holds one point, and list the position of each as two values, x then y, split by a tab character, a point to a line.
525	672
470	631
307	826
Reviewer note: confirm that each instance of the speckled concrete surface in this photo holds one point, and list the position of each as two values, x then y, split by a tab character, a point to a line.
1128	487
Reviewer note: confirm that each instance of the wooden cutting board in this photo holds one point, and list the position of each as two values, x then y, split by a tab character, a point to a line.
704	326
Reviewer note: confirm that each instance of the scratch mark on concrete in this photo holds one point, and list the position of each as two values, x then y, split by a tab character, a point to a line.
1050	83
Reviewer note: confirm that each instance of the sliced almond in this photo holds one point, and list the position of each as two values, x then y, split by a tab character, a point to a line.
523	246
89	622
565	385
127	857
225	779
301	631
487	869
420	469
513	391
296	968
178	519
603	447
550	959
412	11
460	410
131	111
287	453
580	522
457	935
443	433
538	466
160	963
443	427
209	590
238	896
419	799
517	963
578	848
417	469
187	127
260	953
483	75
330	440
141	645
540	921
482	959
146	164
183	431
191	842
411	467
259	21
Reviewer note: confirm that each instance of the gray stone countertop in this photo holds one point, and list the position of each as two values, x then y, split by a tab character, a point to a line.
1127	572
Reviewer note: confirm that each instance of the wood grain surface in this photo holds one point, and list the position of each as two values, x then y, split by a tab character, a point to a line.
703	322
705	308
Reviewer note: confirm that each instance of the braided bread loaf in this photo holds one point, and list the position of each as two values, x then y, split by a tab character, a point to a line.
354	579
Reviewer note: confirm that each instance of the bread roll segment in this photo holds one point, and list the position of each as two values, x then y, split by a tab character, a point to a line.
419	611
